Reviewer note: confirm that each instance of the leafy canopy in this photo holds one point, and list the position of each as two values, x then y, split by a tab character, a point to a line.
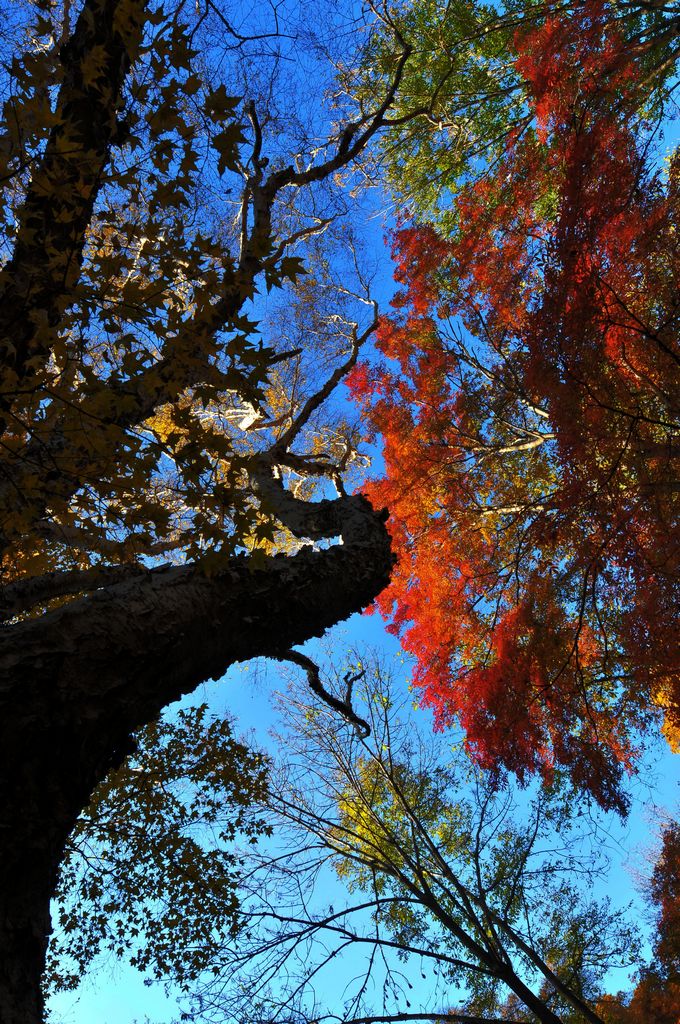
464	93
455	894
155	180
528	405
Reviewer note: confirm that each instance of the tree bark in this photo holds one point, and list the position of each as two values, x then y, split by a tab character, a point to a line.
78	681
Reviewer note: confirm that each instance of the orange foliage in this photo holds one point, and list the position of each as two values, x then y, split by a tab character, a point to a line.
653	1002
528	403
666	893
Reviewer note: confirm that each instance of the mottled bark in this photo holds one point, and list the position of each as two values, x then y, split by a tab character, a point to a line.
76	682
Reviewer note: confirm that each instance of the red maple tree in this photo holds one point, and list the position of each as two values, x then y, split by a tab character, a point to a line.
529	407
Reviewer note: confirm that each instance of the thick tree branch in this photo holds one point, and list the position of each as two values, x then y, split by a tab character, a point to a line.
25	594
200	624
78	681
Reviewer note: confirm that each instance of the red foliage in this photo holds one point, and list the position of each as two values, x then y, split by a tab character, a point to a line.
528	403
656	1000
665	891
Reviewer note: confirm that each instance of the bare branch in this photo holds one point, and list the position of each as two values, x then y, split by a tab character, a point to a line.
317	399
454	1018
343	707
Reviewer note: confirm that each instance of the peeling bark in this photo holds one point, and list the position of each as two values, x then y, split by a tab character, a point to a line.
76	682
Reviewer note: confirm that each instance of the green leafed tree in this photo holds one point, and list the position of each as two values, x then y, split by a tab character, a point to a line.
405	885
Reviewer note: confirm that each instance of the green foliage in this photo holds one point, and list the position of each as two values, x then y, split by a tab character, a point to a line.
463	85
461	893
472	879
463	98
153	867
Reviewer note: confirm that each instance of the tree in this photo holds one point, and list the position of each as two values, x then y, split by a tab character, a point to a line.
142	209
463	93
446	877
156	453
151	870
529	416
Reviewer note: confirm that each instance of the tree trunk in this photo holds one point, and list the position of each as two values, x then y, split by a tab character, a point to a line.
76	682
24	926
44	787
